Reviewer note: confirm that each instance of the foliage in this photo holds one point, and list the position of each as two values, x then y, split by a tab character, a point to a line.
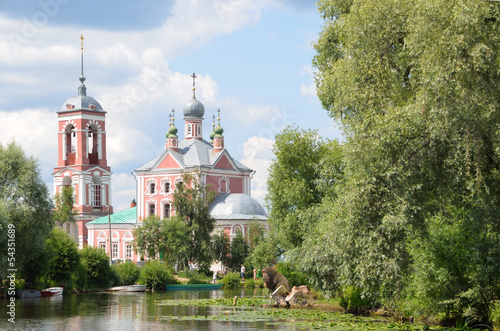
415	86
256	234
239	252
352	301
249	283
168	236
296	181
232	280
63	257
495	311
191	201
95	263
128	272
155	275
197	279
292	273
221	247
26	205
440	280
176	239
264	254
64	211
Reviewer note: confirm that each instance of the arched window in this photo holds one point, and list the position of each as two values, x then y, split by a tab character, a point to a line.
166	210
167	187
152	209
152	188
92	144
70	148
96	192
115	250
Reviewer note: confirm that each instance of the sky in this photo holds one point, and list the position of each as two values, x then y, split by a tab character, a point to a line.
253	60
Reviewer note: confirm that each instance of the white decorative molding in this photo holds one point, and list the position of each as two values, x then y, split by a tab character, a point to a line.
95	124
148	183
224	180
68	123
162	186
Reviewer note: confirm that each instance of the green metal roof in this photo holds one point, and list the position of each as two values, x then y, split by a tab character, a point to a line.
127	216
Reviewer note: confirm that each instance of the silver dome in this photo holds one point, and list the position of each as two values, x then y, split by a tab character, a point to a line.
193	108
81	102
236	206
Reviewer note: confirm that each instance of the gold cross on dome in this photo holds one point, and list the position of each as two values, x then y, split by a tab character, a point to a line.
81	38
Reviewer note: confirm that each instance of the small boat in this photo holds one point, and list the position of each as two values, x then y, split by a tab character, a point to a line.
128	288
51	291
25	294
193	286
118	288
135	288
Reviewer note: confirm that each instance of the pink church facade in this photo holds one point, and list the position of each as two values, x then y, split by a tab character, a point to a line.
82	164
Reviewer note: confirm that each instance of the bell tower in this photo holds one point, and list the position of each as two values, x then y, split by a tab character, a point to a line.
82	161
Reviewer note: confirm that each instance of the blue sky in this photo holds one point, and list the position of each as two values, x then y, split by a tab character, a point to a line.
252	57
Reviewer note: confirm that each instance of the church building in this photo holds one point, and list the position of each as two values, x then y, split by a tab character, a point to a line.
82	164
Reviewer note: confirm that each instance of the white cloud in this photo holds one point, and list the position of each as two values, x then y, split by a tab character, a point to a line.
123	191
35	130
258	155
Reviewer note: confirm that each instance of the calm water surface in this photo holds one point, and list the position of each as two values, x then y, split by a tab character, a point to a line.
123	311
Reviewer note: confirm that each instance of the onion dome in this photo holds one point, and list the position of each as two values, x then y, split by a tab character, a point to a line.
172	132
193	108
218	131
211	136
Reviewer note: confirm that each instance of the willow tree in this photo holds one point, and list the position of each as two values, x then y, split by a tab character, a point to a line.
415	85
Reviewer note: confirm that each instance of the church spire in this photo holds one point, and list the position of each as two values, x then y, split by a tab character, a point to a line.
172	139
218	137
82	90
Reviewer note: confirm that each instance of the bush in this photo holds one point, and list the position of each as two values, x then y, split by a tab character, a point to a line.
63	257
98	272
260	283
249	283
352	301
231	280
128	273
294	277
197	279
155	275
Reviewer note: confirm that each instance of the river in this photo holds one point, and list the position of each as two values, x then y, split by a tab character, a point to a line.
122	311
170	310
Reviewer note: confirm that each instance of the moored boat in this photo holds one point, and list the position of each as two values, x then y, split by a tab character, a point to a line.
25	294
117	288
51	291
194	286
136	288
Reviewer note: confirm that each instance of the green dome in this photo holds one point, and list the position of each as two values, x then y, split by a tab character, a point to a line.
211	136
172	132
218	130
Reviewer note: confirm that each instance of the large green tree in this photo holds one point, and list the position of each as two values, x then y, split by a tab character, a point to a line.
415	85
192	199
63	257
221	247
26	205
168	237
304	169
